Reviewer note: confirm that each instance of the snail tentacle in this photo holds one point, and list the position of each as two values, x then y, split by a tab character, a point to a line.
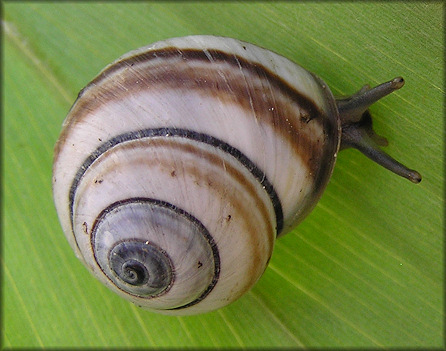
351	108
357	129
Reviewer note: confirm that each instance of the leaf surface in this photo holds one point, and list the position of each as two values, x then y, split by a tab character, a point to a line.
363	270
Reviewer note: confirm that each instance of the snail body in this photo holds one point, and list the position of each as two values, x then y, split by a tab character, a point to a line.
180	164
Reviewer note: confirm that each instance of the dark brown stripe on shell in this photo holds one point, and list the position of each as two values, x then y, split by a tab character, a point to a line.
217	56
242	211
191	135
272	99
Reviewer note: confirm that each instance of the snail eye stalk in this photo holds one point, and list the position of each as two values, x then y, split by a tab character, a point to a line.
357	129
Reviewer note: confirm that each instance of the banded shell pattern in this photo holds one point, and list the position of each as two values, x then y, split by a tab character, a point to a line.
181	162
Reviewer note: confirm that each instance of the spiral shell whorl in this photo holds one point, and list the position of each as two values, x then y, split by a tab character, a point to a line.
211	146
215	181
144	226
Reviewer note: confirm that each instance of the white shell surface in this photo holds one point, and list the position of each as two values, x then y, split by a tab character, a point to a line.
239	217
276	114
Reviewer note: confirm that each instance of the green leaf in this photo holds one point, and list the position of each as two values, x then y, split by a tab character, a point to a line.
363	270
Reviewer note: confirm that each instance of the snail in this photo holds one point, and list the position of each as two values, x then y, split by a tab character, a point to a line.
180	164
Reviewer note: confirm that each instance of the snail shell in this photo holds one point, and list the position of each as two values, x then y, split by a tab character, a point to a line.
181	162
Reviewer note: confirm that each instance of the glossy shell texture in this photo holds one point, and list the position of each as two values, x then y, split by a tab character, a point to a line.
184	160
